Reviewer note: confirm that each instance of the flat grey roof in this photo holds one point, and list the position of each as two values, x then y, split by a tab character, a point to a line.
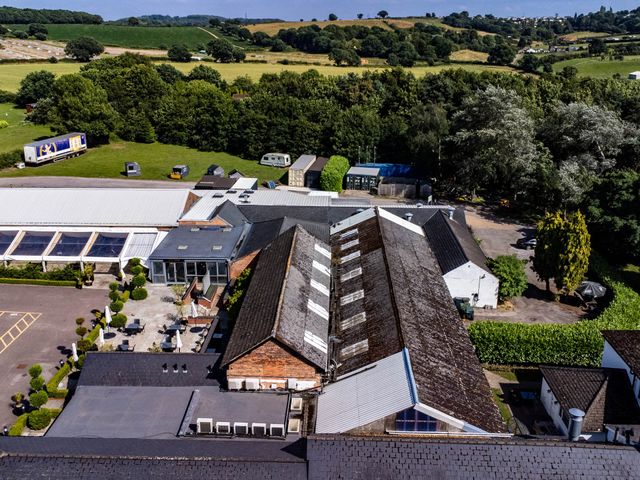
242	407
364	171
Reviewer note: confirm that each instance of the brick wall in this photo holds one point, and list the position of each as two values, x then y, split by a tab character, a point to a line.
240	264
272	364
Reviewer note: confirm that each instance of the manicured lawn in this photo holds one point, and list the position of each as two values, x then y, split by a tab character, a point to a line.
12	74
155	161
631	274
594	67
18	132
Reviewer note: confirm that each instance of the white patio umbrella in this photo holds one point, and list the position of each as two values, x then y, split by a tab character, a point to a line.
107	316
101	337
74	352
194	310
178	340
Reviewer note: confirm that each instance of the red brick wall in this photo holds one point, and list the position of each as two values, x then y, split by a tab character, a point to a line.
240	264
271	362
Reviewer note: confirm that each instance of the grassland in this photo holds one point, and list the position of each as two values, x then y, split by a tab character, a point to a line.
572	37
131	37
597	68
12	74
468	56
18	132
155	160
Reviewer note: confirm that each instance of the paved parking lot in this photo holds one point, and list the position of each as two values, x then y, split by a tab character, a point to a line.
37	325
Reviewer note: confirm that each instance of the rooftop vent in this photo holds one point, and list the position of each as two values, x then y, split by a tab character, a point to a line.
259	429
217	195
232	191
184	368
223	428
575	424
183	247
276	430
248	192
408	216
165	368
216	248
241	428
294	425
195	229
296	404
451	210
205	425
175	368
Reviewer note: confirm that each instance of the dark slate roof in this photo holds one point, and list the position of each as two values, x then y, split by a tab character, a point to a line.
452	243
317	229
604	394
626	343
230	213
275	305
263	233
146	369
371	458
407	304
202	243
318	165
215	182
89	458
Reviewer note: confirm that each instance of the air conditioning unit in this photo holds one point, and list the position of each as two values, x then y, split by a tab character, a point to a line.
235	383
223	428
205	426
291	383
259	429
296	404
252	384
276	430
294	425
241	428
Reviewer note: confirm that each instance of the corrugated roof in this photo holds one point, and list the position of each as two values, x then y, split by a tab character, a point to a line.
379	390
303	162
364	171
141	245
92	206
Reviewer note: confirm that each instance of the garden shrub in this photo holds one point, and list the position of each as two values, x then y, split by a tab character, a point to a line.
134	262
139	280
114	295
116	306
38	399
84	345
125	296
578	344
79	321
52	385
18	427
114	286
119	320
137	270
139	293
234	302
48	283
333	174
510	272
3	124
39	419
81	331
9	159
35	370
36	383
34	271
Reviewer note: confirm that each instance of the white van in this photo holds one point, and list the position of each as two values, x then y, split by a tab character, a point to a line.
276	159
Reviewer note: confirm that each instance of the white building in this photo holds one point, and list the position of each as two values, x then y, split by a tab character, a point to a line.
462	262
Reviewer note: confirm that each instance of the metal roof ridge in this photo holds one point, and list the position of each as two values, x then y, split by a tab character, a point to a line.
276	324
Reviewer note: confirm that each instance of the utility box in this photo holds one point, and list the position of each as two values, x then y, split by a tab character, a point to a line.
132	169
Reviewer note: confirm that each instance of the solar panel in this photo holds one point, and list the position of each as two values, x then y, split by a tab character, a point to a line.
6	238
108	245
70	244
33	243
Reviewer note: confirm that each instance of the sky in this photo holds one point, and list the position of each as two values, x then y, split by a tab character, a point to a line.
320	9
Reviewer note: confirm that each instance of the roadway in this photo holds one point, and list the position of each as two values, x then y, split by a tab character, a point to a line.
78	182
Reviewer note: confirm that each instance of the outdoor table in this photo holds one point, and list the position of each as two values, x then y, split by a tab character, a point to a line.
134	328
174	328
167	346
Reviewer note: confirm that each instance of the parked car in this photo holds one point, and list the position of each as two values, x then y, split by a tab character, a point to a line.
527	243
276	159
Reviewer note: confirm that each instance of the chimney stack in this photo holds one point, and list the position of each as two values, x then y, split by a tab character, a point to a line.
408	216
575	424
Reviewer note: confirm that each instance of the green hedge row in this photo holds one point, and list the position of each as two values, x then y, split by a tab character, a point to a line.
52	385
18	427
34	271
37	281
9	159
576	344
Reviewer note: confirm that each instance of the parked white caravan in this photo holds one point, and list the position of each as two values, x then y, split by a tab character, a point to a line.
276	159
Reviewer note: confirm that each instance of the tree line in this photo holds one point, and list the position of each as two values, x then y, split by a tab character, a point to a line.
544	142
12	15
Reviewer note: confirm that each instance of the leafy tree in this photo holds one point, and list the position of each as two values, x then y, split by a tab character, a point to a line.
35	86
139	87
223	51
529	63
372	46
344	56
383	14
169	73
332	175
562	250
35	28
597	46
356	131
207	74
428	127
360	15
278	45
501	54
179	53
83	49
38	399
42	37
133	21
510	272
22	35
333	17
80	106
136	127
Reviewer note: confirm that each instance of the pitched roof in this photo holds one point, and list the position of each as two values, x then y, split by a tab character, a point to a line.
452	243
278	298
145	369
318	165
604	394
215	182
231	214
199	243
407	305
627	344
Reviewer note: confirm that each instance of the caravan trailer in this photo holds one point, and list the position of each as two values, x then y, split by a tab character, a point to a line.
276	159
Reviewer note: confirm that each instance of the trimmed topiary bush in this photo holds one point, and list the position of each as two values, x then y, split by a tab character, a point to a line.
39	419
79	321
38	399
114	295
119	320
116	306
36	383
81	331
139	294
84	345
125	295
17	428
114	286
35	370
137	270
134	261
139	280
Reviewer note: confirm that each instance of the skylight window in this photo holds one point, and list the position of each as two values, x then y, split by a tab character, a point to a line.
321	268
319	287
216	248
351	256
348	233
318	309
323	251
350	244
183	247
352	297
356	272
353	321
355	349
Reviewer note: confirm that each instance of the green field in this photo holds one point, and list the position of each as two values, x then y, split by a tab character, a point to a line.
18	132
594	67
131	37
12	74
155	160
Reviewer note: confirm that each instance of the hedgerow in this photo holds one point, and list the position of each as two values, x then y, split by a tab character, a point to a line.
576	344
